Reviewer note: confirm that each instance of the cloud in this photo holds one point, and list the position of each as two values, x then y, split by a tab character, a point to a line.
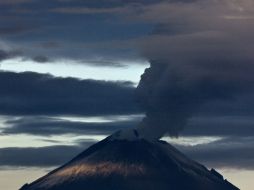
13	30
236	152
200	53
107	3
194	29
117	7
46	126
4	54
90	35
41	59
13	2
41	94
38	157
226	126
85	10
214	126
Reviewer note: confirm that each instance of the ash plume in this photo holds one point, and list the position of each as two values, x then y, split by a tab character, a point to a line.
200	51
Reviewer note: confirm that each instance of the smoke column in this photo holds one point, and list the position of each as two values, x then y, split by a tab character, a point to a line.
208	58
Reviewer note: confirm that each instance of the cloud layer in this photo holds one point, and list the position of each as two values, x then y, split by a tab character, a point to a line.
226	153
33	94
235	153
46	126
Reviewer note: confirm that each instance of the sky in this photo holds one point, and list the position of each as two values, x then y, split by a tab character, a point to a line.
74	71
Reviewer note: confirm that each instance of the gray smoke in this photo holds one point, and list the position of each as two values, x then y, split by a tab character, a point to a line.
199	52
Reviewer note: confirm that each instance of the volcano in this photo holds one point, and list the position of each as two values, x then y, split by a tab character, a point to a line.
125	161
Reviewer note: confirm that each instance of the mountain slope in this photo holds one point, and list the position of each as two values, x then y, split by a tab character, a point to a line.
118	163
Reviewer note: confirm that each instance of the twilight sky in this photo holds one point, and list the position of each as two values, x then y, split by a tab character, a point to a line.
69	71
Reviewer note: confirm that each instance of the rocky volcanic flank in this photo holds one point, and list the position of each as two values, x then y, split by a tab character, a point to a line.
123	161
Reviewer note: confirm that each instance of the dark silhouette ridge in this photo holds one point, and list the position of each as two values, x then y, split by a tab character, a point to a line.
120	164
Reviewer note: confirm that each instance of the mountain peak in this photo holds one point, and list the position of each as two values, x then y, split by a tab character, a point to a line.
128	134
124	161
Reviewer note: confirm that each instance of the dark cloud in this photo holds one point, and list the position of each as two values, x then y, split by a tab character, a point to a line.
45	126
226	153
226	126
38	157
222	125
92	33
41	59
213	126
49	44
171	97
85	10
108	3
14	1
13	30
197	57
32	94
4	54
94	27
